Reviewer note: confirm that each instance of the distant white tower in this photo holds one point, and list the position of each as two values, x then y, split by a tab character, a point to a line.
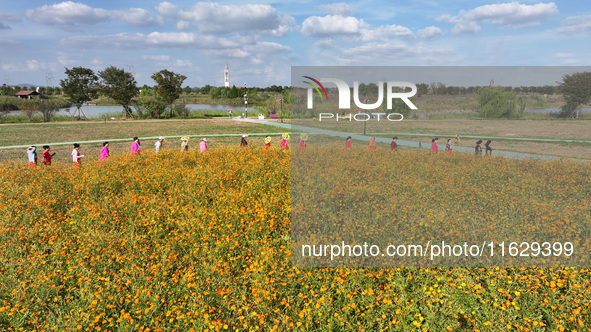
227	76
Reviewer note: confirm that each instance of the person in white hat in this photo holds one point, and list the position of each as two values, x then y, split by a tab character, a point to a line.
158	143
244	143
203	145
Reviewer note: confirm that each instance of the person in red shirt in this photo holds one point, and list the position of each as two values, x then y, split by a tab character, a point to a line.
348	143
393	145
47	156
434	147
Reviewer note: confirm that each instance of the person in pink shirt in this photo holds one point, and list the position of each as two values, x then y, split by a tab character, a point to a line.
434	147
303	138
104	152
348	143
285	137
135	146
203	145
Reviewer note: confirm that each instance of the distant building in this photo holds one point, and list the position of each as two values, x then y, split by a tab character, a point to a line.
227	76
27	94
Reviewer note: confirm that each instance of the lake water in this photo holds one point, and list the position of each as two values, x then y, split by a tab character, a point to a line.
97	111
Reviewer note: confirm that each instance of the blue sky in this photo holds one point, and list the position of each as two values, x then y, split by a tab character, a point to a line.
261	40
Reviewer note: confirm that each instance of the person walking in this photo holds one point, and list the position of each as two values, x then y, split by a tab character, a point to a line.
203	145
105	152
76	156
372	143
478	148
158	143
47	155
488	151
135	146
394	145
303	139
434	148
285	137
448	147
32	154
184	143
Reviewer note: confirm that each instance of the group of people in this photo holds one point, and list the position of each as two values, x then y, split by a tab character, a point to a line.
372	143
136	148
478	148
434	147
448	146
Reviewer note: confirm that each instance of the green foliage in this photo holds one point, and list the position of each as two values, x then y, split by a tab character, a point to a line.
80	86
576	89
234	92
49	107
214	93
149	107
8	104
169	86
495	102
120	86
5	90
181	110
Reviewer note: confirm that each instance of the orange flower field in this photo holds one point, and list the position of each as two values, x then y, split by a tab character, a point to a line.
202	241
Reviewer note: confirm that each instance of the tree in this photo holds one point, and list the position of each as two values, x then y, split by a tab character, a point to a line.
169	86
80	86
28	107
214	92
119	85
576	89
48	107
495	102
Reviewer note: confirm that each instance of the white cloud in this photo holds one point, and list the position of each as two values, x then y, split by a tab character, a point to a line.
385	33
575	25
71	13
183	63
29	66
568	59
215	18
394	52
134	16
67	13
506	15
154	39
429	32
6	17
339	8
352	28
331	25
156	57
324	43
